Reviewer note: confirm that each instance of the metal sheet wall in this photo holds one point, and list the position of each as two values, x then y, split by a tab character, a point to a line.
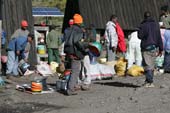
129	12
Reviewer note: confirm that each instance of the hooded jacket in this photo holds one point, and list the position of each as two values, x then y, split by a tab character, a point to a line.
111	35
73	42
149	33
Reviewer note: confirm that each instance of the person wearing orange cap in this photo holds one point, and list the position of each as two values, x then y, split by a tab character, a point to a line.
16	51
19	34
75	50
21	31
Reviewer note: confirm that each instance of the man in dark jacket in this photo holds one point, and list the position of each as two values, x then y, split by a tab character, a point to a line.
151	41
75	50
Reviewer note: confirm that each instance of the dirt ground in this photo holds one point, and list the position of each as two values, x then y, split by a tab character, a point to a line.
119	95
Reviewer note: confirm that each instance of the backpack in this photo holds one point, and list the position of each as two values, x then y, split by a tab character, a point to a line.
68	38
73	44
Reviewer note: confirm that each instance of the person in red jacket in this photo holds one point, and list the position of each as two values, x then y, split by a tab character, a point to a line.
121	39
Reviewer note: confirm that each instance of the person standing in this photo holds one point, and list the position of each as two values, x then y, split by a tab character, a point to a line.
111	38
134	50
121	40
91	34
149	33
16	49
21	31
165	17
166	64
75	50
86	78
71	22
53	42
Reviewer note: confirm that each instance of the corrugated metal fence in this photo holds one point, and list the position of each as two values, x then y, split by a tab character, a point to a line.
97	12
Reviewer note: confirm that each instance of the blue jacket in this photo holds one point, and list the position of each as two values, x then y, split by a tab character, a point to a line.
167	40
149	33
21	43
12	45
18	44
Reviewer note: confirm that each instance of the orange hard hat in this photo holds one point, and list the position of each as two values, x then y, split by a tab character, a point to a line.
24	23
78	19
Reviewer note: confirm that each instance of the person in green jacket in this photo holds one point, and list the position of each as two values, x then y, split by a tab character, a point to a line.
53	42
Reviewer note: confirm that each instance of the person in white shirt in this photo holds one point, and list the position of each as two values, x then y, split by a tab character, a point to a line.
111	38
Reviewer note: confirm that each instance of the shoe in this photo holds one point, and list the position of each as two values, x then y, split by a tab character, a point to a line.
69	92
149	85
85	87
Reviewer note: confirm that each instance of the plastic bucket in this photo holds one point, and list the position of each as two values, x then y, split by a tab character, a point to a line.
24	67
41	49
61	85
95	48
36	86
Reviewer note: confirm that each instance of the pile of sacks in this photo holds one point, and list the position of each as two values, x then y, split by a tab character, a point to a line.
121	69
120	66
135	71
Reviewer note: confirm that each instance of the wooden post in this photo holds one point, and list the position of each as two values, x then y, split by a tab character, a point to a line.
0	43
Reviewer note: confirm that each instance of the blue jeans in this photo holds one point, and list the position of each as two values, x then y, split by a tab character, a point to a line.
12	63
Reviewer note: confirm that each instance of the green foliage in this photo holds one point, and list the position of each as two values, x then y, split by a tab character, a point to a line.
50	3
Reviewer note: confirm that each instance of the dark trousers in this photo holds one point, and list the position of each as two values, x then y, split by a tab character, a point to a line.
75	73
149	76
149	63
4	67
53	55
166	64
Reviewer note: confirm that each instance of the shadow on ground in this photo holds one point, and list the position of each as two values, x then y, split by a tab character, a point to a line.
118	84
28	107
